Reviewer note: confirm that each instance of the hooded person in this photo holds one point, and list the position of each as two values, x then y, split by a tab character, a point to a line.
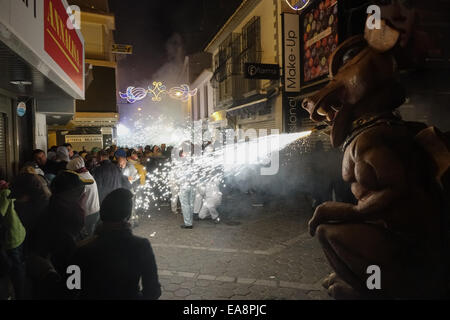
51	155
108	176
115	260
183	175
62	154
58	233
92	202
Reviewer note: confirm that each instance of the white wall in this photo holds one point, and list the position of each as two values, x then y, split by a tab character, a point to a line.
40	131
202	83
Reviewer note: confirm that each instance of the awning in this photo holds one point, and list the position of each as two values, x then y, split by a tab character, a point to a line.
248	108
247	104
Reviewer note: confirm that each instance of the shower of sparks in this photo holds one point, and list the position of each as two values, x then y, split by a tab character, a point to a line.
150	131
209	169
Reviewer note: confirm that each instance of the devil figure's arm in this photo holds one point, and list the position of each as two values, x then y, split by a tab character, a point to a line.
379	179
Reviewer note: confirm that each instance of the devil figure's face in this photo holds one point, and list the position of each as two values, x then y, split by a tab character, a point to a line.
357	72
400	15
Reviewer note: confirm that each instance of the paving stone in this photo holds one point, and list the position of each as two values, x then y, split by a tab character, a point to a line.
225	293
164	273
206	277
228	285
188	285
166	296
201	291
268	283
246	280
177	280
182	292
171	287
225	279
242	291
297	285
186	274
239	297
319	295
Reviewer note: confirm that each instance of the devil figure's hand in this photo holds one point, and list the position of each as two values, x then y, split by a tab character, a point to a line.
332	212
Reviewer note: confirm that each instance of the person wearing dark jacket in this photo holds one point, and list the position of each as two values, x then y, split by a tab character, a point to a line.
108	177
51	168
113	261
32	198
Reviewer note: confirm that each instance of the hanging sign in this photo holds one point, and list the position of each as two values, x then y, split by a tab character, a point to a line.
21	109
262	71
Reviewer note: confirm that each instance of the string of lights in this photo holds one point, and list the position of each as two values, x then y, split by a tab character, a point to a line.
156	91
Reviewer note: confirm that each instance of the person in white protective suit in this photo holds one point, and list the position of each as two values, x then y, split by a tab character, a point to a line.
183	175
208	195
212	199
129	170
174	191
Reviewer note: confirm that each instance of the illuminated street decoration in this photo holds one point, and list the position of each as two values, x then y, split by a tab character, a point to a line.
133	94
297	5
182	93
157	90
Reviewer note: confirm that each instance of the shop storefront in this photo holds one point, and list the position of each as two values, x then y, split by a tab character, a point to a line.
41	75
257	115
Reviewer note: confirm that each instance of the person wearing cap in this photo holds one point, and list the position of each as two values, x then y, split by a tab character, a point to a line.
133	160
92	202
108	176
70	150
58	233
62	154
49	166
128	169
114	261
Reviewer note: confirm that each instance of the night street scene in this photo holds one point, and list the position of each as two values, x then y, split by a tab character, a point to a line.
238	150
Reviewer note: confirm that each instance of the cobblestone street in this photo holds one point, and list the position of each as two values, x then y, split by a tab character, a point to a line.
267	254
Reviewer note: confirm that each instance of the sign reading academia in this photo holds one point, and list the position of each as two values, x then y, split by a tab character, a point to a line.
62	42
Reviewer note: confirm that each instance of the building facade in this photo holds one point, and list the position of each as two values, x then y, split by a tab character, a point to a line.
251	35
42	72
94	122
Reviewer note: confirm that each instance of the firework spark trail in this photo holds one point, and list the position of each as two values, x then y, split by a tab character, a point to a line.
227	161
150	131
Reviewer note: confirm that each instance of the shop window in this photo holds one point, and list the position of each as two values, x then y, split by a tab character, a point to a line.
251	49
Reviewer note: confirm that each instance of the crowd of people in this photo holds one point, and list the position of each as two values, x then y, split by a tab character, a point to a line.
68	208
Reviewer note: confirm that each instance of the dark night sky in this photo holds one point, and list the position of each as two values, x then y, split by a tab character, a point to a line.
149	24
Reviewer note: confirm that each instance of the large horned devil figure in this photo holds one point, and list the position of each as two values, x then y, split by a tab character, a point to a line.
397	222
